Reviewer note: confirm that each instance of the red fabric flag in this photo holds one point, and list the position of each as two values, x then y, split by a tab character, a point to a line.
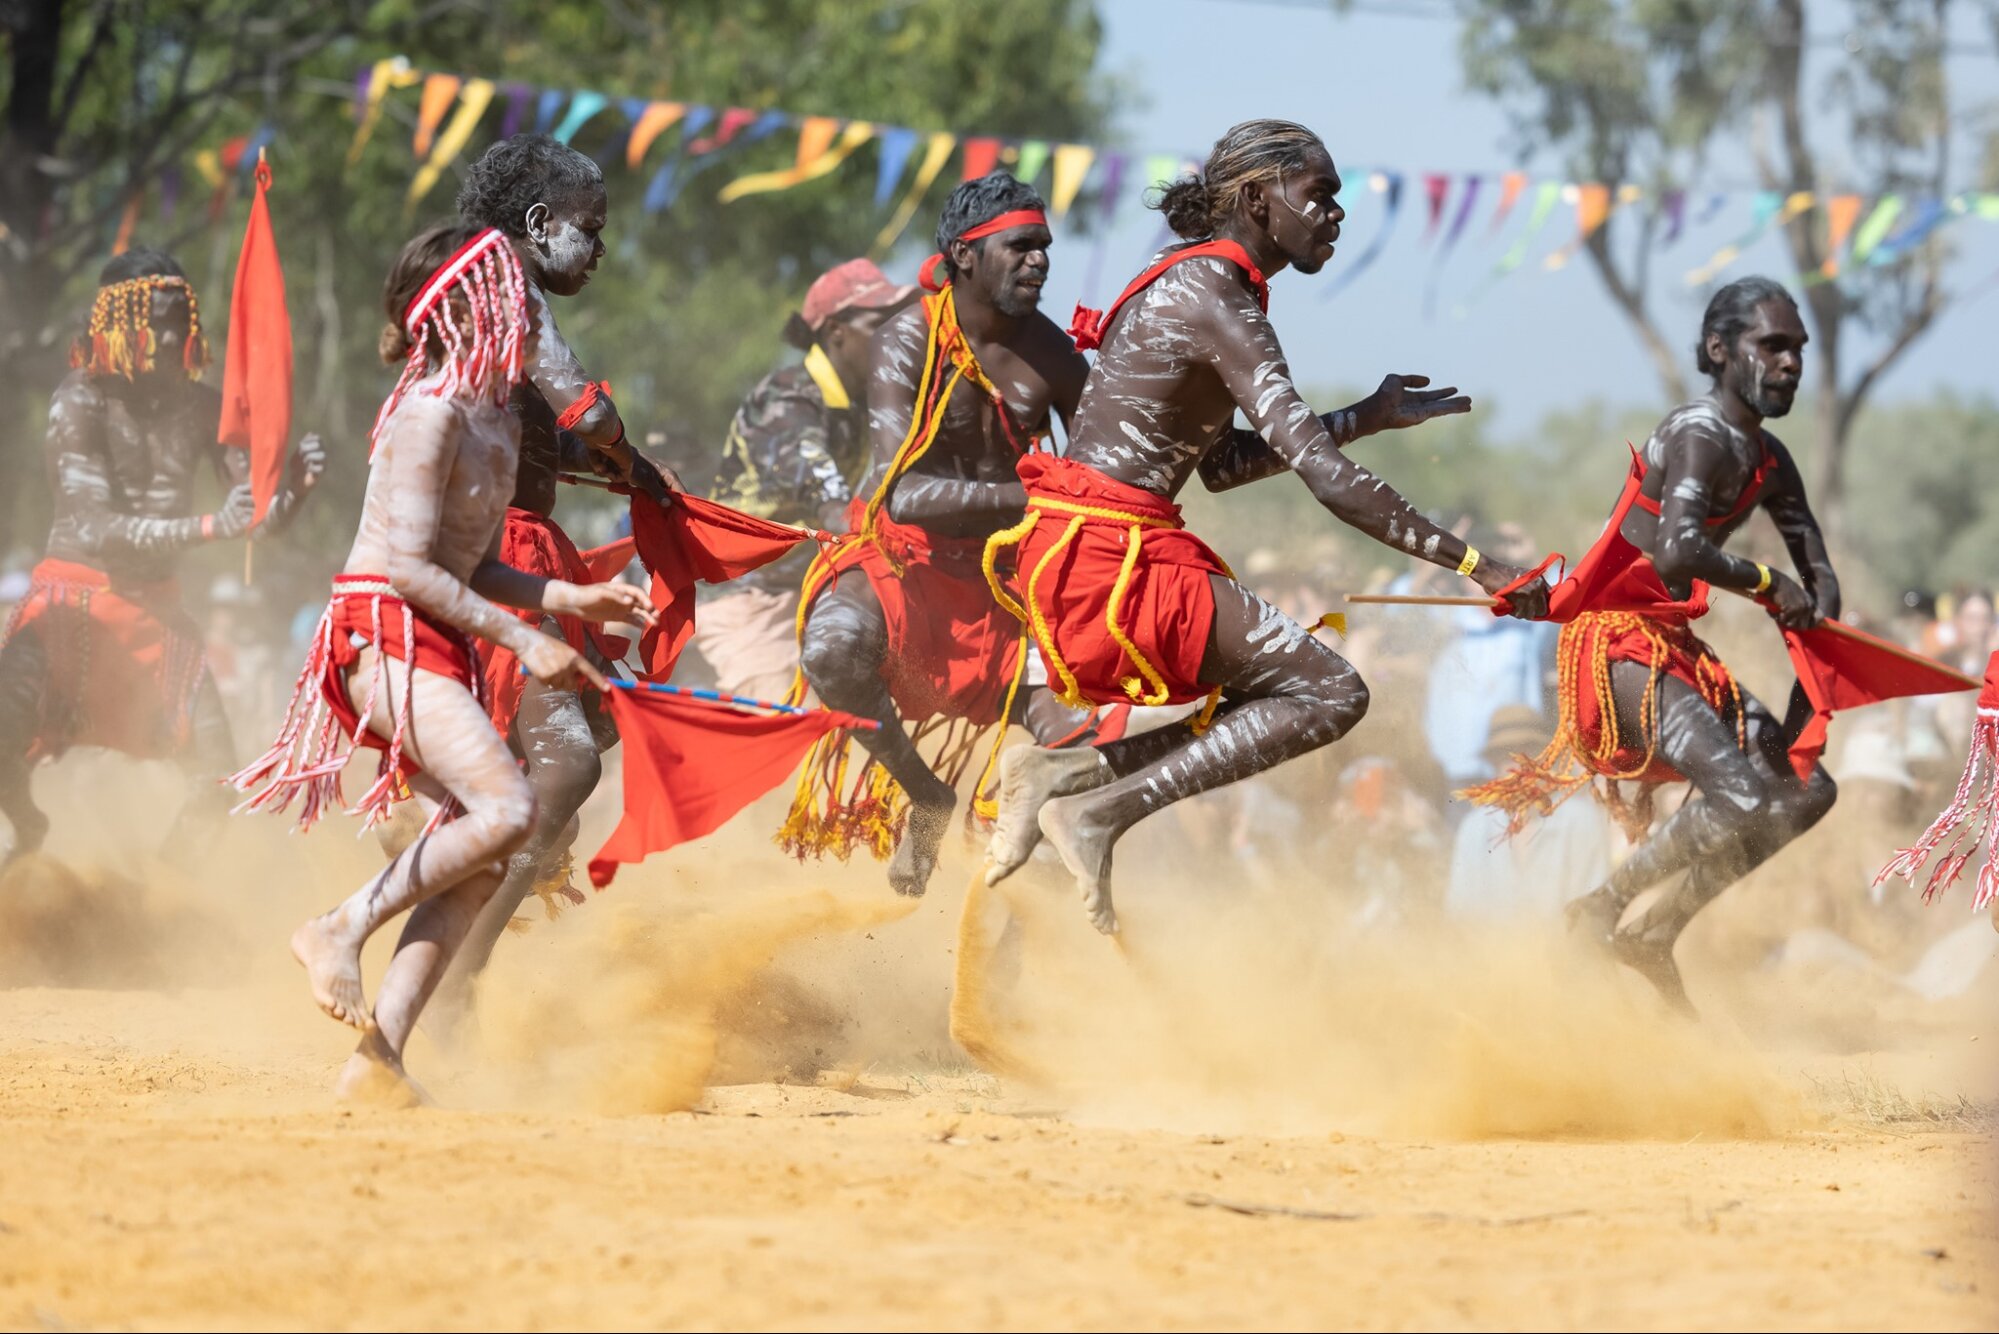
696	540
691	765
257	373
1843	668
606	561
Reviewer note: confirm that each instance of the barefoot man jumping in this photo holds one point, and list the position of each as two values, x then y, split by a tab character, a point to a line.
1123	601
393	663
897	622
1670	710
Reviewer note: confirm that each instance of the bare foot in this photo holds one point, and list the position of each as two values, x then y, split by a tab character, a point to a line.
1650	955
333	966
1086	850
374	1077
1029	777
916	856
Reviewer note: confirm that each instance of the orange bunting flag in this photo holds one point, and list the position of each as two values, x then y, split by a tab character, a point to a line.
257	371
691	764
439	92
1841	213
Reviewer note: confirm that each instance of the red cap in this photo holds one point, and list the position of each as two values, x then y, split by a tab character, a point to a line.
859	284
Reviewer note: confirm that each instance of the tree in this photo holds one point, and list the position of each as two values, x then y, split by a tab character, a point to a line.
1645	91
687	307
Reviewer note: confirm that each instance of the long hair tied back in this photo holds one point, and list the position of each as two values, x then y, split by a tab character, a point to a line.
1256	150
467	325
120	339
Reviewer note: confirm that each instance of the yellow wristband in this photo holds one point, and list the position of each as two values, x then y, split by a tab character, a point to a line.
1762	578
1470	562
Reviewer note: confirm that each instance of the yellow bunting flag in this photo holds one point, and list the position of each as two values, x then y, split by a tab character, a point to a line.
1072	165
817	155
478	96
657	118
1841	212
439	92
387	74
934	158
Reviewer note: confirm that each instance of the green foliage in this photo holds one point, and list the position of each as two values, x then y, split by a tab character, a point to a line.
1925	497
685	310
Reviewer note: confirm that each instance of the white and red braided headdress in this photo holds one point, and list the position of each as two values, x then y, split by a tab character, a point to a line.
483	342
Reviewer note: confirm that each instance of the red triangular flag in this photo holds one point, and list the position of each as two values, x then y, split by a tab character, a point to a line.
257	372
1843	668
696	540
605	562
691	765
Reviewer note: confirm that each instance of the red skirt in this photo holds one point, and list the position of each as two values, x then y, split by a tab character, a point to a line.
124	662
952	650
1114	588
307	758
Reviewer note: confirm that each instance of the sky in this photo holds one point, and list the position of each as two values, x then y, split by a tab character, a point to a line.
1385	89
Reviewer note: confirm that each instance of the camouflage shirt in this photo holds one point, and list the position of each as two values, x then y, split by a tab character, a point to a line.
791	457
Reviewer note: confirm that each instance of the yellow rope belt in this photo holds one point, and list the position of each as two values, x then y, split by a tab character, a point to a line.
1149	686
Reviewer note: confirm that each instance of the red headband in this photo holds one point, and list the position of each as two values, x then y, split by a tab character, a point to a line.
1020	217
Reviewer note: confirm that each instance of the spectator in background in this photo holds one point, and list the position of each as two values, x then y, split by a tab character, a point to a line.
1530	876
1490	662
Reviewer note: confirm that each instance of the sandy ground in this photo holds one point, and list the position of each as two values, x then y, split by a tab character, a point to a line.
725	1095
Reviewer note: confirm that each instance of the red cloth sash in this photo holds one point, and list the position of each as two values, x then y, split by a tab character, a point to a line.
690	765
125	661
359	615
1068	564
952	650
696	540
1088	327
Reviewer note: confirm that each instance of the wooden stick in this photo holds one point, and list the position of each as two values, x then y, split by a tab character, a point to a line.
250	546
580	479
1417	600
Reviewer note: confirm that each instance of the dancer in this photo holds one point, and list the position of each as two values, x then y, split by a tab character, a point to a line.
393	663
1642	698
550	202
101	651
794	453
897	622
1125	603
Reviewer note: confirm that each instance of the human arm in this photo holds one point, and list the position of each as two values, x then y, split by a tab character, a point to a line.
1696	458
79	453
1803	538
921	498
1246	355
1240	457
421	450
308	464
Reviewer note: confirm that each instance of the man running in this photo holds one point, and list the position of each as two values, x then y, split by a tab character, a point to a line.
1124	603
897	622
1667	709
393	666
549	201
795	450
101	651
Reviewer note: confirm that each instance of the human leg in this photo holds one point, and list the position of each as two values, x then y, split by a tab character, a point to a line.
843	649
1289	694
24	670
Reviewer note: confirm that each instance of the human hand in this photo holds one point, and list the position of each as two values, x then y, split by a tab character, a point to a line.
613	601
239	508
1406	400
1794	608
1529	602
308	462
553	663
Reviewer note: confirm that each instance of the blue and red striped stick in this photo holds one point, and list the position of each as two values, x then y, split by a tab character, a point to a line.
724	697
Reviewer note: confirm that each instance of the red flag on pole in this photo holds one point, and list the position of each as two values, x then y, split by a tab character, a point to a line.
1843	668
691	765
257	373
696	540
